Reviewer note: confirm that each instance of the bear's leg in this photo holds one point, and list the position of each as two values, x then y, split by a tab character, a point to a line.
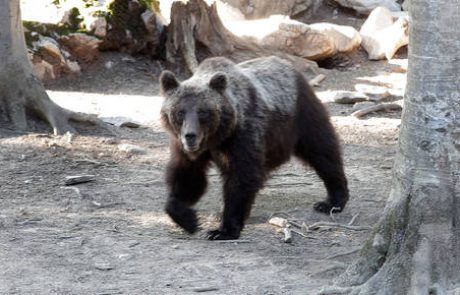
242	180
323	154
187	182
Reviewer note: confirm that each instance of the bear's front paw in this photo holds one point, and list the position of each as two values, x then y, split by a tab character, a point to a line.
326	207
184	216
221	235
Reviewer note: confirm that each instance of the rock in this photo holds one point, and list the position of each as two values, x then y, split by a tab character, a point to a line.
120	122
131	149
315	42
348	97
49	49
73	67
406	5
362	105
84	47
42	69
97	26
382	36
50	61
375	93
278	221
103	266
345	38
255	9
366	6
76	179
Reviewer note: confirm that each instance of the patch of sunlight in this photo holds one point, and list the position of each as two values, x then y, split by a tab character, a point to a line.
402	63
258	28
139	108
45	11
379	123
395	82
152	219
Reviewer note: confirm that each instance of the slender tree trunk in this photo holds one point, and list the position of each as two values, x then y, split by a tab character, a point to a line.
20	89
415	249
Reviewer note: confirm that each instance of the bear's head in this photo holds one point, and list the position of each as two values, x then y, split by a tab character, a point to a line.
197	112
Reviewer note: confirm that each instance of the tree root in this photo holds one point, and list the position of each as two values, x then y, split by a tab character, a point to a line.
377	108
23	93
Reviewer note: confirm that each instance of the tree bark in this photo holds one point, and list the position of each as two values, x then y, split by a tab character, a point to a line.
415	248
20	90
196	32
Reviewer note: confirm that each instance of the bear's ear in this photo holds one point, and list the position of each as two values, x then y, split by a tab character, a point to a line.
168	82
218	82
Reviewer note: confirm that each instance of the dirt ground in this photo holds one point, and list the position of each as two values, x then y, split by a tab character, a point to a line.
111	236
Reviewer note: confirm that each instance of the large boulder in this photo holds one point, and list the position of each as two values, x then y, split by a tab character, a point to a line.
50	61
383	33
255	9
315	41
85	48
366	6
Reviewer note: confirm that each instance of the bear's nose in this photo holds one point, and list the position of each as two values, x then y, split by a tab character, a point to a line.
190	138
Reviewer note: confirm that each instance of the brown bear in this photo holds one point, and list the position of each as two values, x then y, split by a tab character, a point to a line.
248	119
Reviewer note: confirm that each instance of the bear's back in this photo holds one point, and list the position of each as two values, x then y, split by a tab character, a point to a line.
275	81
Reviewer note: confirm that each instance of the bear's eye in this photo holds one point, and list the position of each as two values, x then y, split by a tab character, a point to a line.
180	115
203	114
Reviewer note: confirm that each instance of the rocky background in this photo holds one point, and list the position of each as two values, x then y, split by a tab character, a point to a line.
380	27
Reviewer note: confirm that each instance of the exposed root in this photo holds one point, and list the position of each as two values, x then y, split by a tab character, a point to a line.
317	225
377	108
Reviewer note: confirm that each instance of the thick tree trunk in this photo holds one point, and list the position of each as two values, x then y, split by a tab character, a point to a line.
20	90
415	249
196	29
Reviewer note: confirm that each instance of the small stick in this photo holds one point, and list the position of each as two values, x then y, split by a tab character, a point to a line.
353	219
331	213
205	289
380	107
303	235
318	79
334	224
231	241
287	235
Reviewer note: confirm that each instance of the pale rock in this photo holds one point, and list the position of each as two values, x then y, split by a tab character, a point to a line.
382	36
367	6
73	67
348	97
315	42
406	5
256	9
375	93
131	149
50	50
97	25
42	69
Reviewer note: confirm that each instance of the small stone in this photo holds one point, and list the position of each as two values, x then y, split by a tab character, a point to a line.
121	122
349	97
103	266
77	179
131	149
278	221
375	93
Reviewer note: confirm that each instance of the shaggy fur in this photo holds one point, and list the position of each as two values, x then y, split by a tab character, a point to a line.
248	119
